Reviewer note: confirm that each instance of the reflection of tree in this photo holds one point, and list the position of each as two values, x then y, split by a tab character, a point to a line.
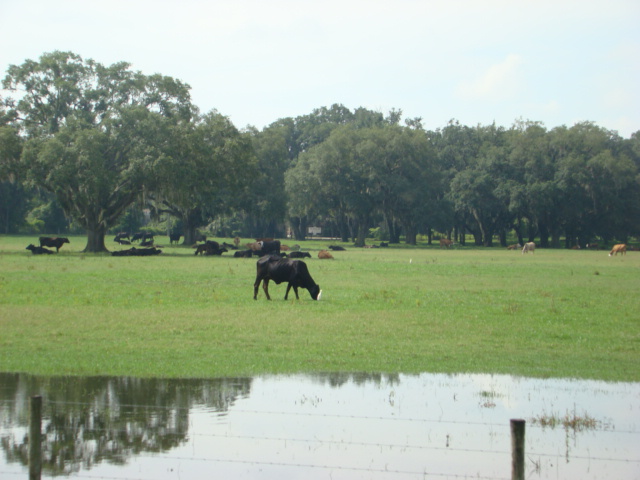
89	420
339	379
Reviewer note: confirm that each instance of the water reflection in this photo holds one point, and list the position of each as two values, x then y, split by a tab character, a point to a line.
90	420
321	426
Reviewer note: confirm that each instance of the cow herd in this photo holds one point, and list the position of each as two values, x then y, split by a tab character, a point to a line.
274	262
51	242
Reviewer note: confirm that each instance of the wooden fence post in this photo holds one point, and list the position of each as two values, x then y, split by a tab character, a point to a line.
35	438
517	449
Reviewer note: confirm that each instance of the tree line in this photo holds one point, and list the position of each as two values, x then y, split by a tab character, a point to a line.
93	146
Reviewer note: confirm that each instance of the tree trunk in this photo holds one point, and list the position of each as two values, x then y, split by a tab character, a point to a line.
410	235
544	235
298	227
344	230
95	241
363	229
503	238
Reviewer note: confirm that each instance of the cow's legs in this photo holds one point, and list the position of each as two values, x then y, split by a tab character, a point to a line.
256	286
295	290
265	287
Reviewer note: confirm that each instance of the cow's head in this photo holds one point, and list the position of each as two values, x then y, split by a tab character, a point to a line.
315	291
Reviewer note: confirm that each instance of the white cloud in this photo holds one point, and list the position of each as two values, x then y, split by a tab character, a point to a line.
501	81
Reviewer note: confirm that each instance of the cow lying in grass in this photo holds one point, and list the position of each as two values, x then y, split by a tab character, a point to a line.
137	252
299	255
39	250
210	247
278	269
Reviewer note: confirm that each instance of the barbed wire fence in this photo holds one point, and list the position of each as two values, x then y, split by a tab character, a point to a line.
513	460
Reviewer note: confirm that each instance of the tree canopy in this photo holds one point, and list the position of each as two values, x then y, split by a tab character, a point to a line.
90	132
100	140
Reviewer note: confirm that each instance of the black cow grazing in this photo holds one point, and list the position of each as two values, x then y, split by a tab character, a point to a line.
120	238
143	236
56	242
278	269
299	255
39	250
337	248
243	254
174	237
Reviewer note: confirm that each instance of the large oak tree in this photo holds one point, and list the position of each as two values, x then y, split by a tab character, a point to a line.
93	132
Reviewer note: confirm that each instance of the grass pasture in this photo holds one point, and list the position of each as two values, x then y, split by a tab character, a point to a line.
556	313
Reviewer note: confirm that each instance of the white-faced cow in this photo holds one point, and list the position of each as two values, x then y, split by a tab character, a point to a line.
278	269
621	249
529	247
56	242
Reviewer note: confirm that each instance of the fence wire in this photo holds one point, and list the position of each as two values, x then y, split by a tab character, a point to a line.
427	450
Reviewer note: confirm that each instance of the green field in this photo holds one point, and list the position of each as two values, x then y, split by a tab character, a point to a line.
557	313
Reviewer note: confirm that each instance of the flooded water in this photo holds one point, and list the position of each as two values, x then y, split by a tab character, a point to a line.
333	426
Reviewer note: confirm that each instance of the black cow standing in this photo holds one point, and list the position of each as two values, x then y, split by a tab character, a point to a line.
270	247
122	237
278	269
56	242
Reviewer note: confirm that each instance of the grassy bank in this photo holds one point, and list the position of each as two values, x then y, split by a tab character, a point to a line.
557	313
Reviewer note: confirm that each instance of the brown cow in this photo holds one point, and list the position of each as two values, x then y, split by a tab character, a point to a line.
324	254
445	242
255	246
515	246
620	248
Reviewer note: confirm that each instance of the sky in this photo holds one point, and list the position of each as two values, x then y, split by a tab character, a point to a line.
478	62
